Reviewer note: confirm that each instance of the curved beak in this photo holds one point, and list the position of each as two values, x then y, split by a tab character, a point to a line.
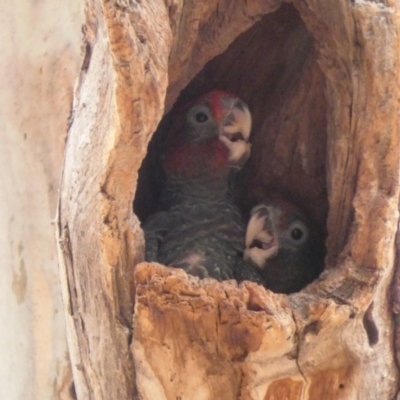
237	123
235	131
261	240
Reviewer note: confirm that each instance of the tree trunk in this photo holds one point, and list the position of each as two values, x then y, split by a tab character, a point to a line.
40	59
322	82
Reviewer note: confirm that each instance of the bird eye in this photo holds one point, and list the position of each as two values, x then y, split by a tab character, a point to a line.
296	234
201	117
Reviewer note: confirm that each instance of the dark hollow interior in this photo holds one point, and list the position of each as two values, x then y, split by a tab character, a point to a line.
274	68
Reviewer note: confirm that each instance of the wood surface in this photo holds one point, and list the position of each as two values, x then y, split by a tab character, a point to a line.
322	82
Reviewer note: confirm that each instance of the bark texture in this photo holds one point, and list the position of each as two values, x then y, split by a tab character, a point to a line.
321	80
40	59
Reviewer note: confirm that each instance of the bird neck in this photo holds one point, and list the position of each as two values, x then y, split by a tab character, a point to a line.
194	162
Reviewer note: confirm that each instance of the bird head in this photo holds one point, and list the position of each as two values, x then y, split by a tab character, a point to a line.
233	120
216	115
211	134
284	245
275	227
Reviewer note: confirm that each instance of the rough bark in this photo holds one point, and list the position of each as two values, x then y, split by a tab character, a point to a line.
40	59
322	83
